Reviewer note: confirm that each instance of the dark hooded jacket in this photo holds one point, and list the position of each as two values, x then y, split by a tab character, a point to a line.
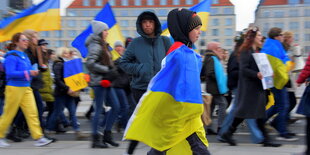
142	58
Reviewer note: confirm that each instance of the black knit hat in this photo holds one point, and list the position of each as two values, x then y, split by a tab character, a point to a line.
194	22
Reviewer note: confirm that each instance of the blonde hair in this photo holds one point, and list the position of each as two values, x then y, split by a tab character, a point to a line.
288	34
61	50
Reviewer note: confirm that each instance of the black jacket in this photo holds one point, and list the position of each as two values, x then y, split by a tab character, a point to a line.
233	71
208	73
36	82
60	87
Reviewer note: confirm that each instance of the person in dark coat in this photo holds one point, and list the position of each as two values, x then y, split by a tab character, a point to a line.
304	106
252	97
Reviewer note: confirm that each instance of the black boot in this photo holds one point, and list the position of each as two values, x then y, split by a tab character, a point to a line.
107	137
13	135
97	143
227	136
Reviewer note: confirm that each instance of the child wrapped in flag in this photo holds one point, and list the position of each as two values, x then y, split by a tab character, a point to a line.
168	116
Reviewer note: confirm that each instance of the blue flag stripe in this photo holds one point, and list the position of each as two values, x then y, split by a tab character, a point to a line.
73	67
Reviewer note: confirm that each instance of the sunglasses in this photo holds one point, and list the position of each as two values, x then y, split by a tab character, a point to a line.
24	40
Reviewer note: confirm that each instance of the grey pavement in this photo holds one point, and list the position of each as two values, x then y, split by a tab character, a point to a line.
67	145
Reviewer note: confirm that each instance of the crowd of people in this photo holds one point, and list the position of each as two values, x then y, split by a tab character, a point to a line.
124	78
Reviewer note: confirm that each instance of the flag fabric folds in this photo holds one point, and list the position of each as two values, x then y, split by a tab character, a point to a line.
42	17
279	62
171	109
105	15
202	9
73	74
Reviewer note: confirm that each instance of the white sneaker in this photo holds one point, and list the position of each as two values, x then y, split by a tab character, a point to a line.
3	143
42	142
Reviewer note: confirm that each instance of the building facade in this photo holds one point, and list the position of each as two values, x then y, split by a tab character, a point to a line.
290	15
221	25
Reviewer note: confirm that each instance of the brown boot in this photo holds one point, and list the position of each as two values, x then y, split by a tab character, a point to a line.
80	136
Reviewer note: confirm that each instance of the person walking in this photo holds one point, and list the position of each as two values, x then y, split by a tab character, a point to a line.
18	93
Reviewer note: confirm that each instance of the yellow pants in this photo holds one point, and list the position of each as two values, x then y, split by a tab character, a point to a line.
22	97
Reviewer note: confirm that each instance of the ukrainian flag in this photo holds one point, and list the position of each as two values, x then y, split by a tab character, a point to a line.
202	9
73	74
42	17
279	62
106	16
171	109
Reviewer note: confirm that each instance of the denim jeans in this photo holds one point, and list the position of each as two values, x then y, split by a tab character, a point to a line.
40	106
281	107
59	104
105	95
124	106
256	134
1	105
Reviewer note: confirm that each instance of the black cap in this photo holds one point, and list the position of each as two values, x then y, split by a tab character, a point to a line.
42	42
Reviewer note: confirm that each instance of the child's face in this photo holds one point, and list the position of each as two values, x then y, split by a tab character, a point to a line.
194	34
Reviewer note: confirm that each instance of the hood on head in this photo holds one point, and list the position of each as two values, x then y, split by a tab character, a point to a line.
148	15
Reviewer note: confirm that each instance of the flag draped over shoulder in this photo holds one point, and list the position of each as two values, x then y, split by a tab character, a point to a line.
42	17
106	16
73	74
202	9
279	61
171	109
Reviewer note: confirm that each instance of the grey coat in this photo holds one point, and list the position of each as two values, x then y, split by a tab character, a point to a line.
252	97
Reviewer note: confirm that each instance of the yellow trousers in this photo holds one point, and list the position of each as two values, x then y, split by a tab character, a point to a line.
22	97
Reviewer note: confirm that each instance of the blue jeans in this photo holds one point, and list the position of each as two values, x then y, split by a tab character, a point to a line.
40	106
124	106
1	105
256	134
280	107
59	104
102	95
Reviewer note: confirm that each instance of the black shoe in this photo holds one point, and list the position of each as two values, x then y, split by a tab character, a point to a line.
291	134
107	138
271	144
13	138
96	143
211	132
60	129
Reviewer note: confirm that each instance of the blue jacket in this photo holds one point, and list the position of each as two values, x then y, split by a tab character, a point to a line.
17	69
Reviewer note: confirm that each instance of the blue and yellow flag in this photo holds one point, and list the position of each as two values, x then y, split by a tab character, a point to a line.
279	61
73	74
171	109
202	9
42	17
105	15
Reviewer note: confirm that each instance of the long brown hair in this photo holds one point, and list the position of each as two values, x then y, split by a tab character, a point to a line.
249	40
32	46
14	40
105	56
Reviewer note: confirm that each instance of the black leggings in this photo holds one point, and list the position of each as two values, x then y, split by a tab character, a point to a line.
308	135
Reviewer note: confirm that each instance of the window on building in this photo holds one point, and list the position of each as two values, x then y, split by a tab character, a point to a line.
203	33
150	2
294	13
228	32
163	2
307	24
215	40
278	14
44	34
307	12
71	23
58	43
294	25
85	13
162	12
112	2
72	33
98	2
215	22
58	33
306	51
293	1
306	1
189	2
125	33
228	42
84	23
124	13
296	37
228	22
215	1
266	28
215	32
266	14
176	2
307	37
124	3
85	2
214	11
124	23
138	2
279	24
228	11
71	13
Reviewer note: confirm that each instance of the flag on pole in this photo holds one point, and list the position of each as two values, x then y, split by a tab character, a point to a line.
202	9
42	17
105	15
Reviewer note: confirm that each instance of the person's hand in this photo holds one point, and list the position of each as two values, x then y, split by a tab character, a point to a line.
299	84
70	92
34	72
260	75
